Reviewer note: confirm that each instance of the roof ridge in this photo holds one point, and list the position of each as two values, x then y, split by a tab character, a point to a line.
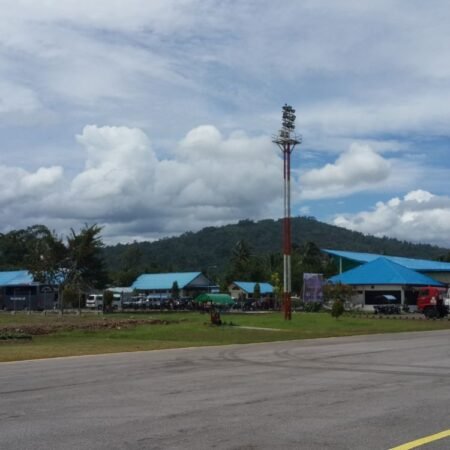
398	268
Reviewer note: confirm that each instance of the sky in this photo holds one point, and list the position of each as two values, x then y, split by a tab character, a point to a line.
153	118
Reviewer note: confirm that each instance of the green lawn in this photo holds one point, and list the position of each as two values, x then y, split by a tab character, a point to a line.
189	330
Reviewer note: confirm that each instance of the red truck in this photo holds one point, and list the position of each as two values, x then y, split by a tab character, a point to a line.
430	302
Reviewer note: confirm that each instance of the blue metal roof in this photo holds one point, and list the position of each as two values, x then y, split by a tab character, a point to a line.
249	287
384	271
15	278
164	281
421	265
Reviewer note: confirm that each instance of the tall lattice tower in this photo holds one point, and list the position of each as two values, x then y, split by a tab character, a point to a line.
286	139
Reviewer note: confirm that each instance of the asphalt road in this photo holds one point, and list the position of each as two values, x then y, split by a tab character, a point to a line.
372	392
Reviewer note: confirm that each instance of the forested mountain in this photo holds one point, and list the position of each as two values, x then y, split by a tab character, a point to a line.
248	251
211	248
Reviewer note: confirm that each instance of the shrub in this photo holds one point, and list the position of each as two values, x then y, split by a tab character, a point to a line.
337	309
70	296
338	291
312	306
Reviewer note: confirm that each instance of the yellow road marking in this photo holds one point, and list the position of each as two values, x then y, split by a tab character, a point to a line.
423	441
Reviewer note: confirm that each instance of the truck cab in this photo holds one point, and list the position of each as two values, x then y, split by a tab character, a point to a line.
430	302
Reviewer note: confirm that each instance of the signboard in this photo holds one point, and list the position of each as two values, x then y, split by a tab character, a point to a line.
312	287
18	299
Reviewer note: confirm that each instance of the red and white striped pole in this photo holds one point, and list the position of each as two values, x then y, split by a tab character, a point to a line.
286	141
287	244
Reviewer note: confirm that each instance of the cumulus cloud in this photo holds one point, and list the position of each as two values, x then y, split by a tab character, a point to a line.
210	179
419	216
207	178
119	161
18	185
357	169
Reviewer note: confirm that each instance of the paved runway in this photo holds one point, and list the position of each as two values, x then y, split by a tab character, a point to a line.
370	392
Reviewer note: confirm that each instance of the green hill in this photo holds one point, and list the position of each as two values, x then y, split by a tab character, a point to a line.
211	247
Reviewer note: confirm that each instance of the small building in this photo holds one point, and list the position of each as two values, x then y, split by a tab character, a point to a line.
19	291
382	277
244	290
190	284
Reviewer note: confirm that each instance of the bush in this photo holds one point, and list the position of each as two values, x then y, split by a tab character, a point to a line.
338	291
70	296
337	309
312	307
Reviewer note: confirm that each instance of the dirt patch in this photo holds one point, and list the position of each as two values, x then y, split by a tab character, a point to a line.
111	324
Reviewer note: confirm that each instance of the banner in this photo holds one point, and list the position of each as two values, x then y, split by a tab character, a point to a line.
312	287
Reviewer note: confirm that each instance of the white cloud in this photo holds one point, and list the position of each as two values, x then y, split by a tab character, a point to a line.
359	168
15	98
134	16
17	185
421	111
371	68
119	162
419	196
419	216
209	179
212	179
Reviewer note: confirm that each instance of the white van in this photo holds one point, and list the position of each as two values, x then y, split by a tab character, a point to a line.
95	301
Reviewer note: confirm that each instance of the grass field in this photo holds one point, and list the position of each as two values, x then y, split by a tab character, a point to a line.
184	330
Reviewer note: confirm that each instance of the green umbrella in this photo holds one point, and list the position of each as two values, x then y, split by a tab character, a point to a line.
215	299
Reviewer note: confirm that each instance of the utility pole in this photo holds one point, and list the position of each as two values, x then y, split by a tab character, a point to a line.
286	139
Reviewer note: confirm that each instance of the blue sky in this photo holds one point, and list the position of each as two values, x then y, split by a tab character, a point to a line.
155	118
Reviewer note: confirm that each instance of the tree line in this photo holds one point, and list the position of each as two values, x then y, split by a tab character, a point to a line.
246	251
79	260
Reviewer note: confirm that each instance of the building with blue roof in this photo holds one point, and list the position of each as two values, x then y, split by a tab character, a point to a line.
15	278
190	284
245	289
348	260
381	277
384	271
19	291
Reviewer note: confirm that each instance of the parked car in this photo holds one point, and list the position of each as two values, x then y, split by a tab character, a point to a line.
387	304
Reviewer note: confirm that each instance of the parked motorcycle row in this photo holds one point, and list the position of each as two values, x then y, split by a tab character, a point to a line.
189	304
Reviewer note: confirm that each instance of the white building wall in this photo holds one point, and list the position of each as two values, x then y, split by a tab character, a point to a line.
236	292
